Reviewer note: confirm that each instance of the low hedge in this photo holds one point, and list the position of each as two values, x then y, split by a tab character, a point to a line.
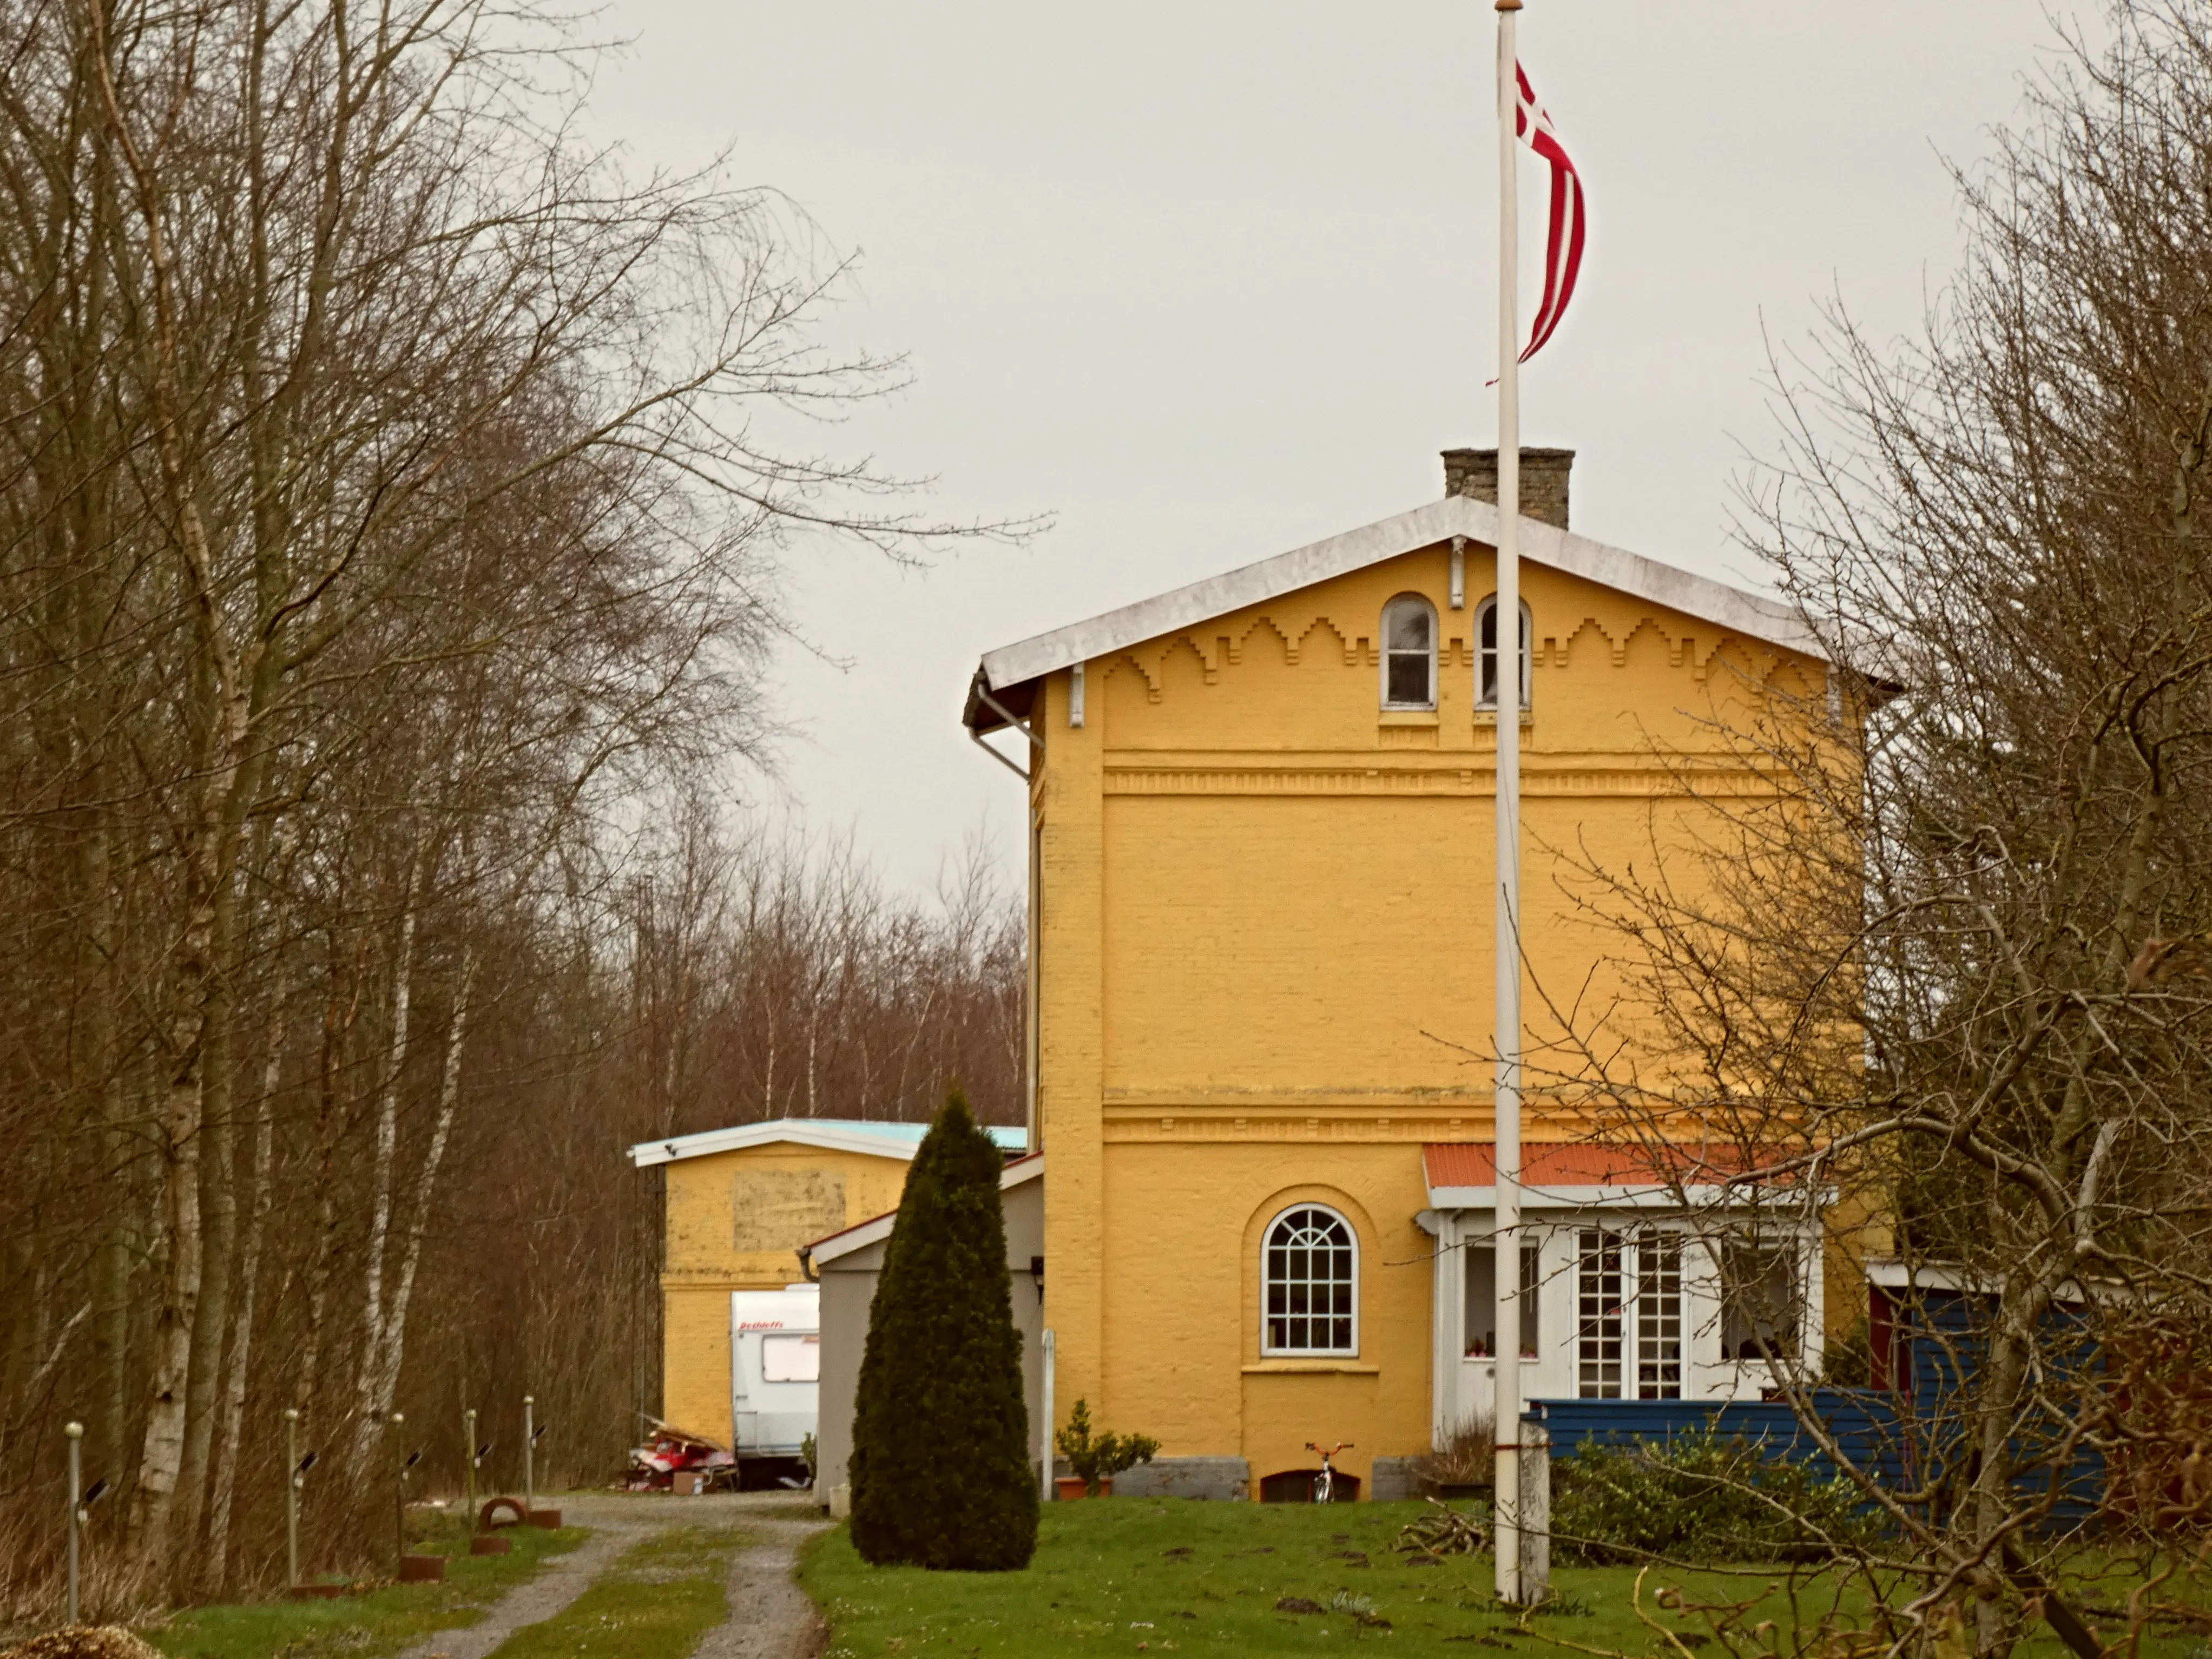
1700	1496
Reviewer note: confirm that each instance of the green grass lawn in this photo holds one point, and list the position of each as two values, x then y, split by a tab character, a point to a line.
364	1626
1130	1575
655	1602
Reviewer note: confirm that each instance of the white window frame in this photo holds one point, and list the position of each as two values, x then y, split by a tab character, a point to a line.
783	1340
1783	1249
1532	1294
1405	602
1267	1238
1629	1239
1486	656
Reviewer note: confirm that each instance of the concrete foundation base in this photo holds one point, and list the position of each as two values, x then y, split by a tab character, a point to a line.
1395	1479
1223	1480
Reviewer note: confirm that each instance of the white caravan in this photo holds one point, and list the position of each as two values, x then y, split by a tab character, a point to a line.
776	1370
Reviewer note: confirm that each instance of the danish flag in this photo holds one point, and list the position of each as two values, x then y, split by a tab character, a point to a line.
1563	250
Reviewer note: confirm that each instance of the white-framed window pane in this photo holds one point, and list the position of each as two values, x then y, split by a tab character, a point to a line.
1601	1321
1760	1301
1659	1316
1409	653
1486	684
1409	628
1311	1269
1409	679
1482	1307
791	1359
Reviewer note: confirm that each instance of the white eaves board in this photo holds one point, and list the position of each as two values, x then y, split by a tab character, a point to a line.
1751	615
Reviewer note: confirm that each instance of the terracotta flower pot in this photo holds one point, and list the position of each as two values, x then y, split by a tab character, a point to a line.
1070	1487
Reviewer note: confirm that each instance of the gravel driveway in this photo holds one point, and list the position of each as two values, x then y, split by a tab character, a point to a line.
770	1617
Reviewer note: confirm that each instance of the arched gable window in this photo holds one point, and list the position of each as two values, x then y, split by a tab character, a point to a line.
1309	1267
1409	653
1486	671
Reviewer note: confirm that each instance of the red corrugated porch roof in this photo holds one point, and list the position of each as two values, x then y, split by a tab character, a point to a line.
1576	1163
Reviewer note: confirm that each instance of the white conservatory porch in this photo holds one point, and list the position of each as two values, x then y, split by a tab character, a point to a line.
1640	1289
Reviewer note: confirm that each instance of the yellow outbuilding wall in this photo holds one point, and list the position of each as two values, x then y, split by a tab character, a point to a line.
734	1221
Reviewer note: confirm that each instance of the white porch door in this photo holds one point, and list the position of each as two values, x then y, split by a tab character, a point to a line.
1628	1314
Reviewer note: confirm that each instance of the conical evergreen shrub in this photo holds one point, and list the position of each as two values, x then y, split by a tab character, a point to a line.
940	1466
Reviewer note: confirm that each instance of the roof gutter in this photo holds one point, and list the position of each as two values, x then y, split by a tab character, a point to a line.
979	689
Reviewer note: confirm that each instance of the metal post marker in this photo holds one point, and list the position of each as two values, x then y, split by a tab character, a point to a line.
399	1503
74	1434
292	1478
469	1465
1505	1416
530	1455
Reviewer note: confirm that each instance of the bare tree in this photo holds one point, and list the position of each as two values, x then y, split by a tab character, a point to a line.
390	499
1956	966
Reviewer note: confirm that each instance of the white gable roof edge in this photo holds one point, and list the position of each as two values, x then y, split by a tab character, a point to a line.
765	1134
1732	608
770	1131
876	1229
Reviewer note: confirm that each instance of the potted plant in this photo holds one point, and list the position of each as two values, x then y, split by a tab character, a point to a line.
1096	1459
1463	1464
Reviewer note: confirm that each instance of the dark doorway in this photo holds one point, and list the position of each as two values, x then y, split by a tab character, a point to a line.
1296	1486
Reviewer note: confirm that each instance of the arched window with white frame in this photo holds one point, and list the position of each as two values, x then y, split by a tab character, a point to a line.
1485	623
1409	653
1309	1273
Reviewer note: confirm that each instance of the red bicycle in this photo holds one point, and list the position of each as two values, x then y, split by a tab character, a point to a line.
1324	1485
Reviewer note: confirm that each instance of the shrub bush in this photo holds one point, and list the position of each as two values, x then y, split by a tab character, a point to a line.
1099	1457
941	1468
1702	1497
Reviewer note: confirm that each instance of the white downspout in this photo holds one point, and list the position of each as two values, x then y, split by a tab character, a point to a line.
1045	1458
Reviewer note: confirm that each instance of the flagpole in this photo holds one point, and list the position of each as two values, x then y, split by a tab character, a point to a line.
1505	1278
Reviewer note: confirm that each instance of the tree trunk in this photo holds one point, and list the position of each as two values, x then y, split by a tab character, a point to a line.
368	1416
241	1342
218	1199
390	1352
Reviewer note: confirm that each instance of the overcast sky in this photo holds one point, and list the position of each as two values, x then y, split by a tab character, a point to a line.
1210	280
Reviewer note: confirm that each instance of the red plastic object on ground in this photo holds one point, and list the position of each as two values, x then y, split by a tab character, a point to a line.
653	1467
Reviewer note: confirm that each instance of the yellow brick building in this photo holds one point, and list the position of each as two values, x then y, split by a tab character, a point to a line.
1260	809
738	1203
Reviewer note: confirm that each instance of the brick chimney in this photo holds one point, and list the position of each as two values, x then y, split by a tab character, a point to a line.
1543	480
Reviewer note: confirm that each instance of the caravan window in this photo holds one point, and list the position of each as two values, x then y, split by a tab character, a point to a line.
791	1359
